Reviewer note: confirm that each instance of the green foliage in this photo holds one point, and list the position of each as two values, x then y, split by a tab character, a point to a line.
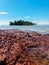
21	22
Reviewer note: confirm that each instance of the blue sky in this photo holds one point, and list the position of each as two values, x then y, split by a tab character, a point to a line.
32	10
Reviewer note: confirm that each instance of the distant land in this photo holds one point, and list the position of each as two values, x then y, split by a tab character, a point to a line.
21	22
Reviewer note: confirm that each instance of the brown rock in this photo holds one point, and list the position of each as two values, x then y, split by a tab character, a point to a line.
23	48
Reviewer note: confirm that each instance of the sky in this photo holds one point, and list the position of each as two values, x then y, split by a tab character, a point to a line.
36	11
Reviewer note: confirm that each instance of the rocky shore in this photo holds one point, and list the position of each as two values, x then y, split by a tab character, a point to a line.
23	48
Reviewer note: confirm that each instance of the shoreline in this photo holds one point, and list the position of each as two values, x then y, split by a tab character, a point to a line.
43	29
37	31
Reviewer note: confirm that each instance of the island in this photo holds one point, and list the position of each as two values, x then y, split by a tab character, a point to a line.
21	22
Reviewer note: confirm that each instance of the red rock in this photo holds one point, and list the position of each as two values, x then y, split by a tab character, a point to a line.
23	48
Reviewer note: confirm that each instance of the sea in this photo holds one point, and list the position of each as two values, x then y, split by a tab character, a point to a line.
43	29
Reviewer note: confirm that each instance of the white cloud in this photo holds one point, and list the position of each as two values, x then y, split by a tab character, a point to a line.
3	13
41	22
18	18
4	23
27	17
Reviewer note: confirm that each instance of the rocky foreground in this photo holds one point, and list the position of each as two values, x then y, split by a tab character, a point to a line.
23	48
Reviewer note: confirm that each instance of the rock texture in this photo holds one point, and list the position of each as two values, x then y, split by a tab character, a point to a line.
23	48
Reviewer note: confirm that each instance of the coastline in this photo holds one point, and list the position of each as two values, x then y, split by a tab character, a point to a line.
43	29
27	30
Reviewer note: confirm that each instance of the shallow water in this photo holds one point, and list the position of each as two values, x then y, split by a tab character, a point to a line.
38	28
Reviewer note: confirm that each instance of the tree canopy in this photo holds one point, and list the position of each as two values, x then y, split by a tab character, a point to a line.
21	22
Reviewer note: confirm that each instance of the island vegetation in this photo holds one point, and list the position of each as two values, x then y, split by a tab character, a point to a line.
21	22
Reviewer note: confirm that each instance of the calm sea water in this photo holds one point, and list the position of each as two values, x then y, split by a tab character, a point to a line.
37	28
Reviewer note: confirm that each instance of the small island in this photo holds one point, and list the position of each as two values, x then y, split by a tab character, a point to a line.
21	22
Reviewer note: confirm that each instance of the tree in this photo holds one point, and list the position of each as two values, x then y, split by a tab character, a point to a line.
21	22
